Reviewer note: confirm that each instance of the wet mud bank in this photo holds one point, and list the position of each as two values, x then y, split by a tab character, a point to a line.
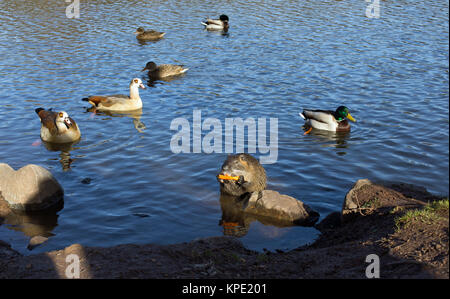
404	225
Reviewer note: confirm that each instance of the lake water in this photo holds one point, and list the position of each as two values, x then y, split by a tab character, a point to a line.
277	58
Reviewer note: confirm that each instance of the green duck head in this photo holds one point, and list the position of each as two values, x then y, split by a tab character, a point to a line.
342	113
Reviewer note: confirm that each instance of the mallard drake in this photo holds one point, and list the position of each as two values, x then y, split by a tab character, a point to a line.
328	120
163	70
214	24
119	102
144	35
57	127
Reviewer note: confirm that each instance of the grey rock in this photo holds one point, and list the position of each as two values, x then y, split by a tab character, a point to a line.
350	203
31	188
281	207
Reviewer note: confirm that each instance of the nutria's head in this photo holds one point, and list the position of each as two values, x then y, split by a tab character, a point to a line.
241	174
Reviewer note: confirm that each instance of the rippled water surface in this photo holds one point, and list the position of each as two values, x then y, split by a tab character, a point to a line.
277	58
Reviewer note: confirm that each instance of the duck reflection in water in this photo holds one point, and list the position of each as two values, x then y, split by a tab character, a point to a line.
65	148
152	82
332	139
147	42
135	115
224	34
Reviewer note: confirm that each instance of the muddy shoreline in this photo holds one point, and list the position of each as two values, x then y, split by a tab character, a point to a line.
417	248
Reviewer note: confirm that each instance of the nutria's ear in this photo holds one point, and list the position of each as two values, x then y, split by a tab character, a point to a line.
242	160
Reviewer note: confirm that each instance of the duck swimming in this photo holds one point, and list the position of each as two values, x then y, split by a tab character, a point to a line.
163	70
328	120
148	35
214	24
57	127
119	103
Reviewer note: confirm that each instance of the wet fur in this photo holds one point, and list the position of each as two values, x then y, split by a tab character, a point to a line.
254	175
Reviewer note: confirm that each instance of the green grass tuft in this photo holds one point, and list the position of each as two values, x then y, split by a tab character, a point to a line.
427	215
371	204
439	205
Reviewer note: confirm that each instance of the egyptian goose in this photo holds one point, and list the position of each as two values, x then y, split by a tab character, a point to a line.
119	102
57	127
214	24
156	72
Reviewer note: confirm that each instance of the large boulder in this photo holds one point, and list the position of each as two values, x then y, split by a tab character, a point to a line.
280	207
31	188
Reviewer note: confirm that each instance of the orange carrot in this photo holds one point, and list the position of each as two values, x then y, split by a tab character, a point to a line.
227	177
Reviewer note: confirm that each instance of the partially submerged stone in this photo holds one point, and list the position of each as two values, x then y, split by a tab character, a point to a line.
280	207
31	188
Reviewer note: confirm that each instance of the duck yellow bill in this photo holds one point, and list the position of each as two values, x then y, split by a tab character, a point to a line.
227	177
351	117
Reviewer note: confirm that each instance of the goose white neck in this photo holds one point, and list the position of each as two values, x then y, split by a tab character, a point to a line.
134	92
61	127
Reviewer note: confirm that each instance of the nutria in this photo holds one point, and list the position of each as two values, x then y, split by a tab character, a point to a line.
250	175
